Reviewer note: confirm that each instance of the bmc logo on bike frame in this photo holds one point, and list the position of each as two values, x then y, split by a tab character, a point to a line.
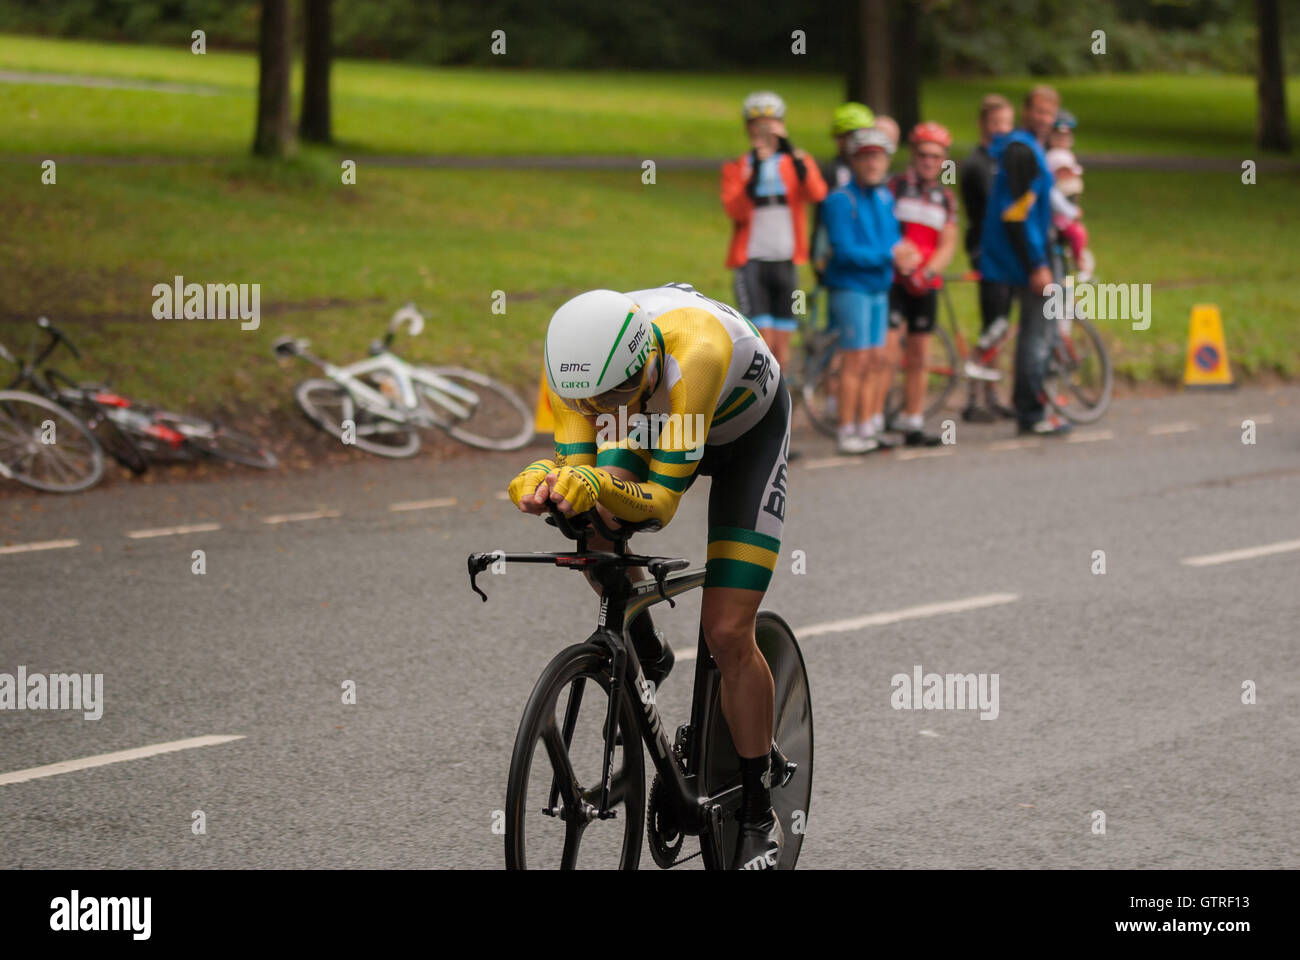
763	861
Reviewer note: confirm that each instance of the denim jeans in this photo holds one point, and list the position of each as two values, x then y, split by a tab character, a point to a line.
1033	346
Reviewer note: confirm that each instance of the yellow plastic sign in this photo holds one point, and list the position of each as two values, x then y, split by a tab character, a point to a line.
544	419
1207	352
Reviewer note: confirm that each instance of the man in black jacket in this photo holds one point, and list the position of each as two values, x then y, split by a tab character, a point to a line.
997	117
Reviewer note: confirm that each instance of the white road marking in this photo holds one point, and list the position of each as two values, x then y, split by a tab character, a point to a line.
921	454
103	759
1182	426
907	613
1247	553
42	545
503	495
824	462
424	504
1262	418
687	654
172	531
928	733
295	517
1091	436
1023	443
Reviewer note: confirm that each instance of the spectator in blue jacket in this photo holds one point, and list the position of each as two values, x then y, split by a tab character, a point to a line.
1015	249
866	246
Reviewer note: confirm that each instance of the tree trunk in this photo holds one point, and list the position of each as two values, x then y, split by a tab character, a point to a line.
867	76
1272	131
314	125
273	135
906	52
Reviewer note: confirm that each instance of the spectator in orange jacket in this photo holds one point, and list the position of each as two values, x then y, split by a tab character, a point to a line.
766	193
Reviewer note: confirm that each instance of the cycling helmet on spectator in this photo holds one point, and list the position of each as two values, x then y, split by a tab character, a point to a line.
764	103
930	133
601	353
1065	121
869	137
849	117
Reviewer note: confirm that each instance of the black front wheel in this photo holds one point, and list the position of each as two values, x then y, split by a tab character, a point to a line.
555	770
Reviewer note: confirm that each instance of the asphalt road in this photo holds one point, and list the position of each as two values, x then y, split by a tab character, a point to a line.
1118	692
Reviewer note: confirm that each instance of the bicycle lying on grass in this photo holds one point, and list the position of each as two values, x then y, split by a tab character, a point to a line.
89	419
379	405
554	796
133	433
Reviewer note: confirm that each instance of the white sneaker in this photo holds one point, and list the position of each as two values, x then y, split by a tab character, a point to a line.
978	372
852	444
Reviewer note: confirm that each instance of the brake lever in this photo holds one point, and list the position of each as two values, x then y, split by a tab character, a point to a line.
478	562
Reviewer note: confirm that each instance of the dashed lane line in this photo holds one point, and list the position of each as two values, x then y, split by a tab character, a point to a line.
173	531
422	504
1246	553
103	759
907	613
1090	436
1182	426
42	545
298	517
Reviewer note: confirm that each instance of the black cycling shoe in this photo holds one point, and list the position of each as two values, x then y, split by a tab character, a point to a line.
759	845
658	671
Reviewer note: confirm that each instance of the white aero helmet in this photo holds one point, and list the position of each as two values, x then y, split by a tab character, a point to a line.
764	103
600	352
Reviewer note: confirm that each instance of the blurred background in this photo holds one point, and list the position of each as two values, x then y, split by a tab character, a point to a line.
499	146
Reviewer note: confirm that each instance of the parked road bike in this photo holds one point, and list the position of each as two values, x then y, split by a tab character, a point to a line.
1079	374
380	404
133	433
579	764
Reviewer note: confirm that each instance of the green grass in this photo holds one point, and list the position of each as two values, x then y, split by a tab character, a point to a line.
333	261
394	108
95	244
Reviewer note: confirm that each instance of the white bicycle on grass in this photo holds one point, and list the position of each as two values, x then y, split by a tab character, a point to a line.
379	405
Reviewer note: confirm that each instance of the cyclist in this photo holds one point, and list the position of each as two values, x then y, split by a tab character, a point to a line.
927	214
866	246
701	369
997	117
765	193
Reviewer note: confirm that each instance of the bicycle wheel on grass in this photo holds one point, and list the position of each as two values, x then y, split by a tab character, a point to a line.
570	702
330	406
793	732
1080	377
45	446
218	442
496	419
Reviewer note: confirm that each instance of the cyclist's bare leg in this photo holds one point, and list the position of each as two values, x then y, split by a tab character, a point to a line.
727	616
918	353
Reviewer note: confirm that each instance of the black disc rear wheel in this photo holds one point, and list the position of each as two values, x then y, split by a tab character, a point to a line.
720	765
